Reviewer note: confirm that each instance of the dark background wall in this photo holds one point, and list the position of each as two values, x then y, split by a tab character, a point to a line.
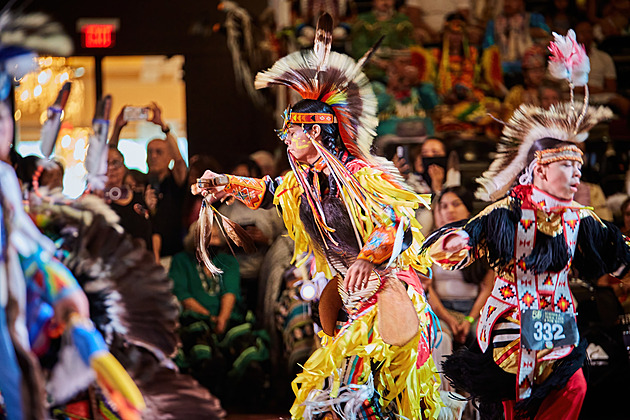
221	121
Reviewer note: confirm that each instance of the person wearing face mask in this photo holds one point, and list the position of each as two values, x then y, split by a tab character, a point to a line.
530	354
432	171
434	167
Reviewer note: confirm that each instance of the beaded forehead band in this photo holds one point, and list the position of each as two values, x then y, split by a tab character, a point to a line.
291	118
546	156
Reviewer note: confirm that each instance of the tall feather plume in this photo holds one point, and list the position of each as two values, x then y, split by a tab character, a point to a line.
323	41
369	53
341	84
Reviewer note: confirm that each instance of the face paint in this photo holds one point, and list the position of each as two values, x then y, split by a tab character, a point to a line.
300	145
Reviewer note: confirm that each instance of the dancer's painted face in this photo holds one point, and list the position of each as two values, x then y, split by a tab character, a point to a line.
559	179
299	144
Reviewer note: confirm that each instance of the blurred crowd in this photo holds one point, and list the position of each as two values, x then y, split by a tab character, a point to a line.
445	74
449	65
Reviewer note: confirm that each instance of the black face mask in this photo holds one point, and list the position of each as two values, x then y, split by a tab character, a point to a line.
439	161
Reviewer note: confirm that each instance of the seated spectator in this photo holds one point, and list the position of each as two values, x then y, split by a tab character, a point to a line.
613	20
602	79
201	293
549	93
463	79
513	31
404	98
209	308
428	16
128	204
534	70
458	297
562	15
458	64
304	19
368	28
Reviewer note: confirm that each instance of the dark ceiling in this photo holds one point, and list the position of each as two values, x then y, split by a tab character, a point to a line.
221	121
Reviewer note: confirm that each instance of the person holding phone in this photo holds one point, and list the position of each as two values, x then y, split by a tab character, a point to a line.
167	187
128	204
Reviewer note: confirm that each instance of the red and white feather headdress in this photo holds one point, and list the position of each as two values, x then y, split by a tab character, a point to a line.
529	123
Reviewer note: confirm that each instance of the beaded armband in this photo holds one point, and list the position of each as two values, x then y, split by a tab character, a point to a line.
249	191
379	246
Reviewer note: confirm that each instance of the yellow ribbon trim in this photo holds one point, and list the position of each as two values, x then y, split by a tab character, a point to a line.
384	192
397	378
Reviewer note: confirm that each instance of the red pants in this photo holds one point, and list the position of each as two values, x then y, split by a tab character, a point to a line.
562	404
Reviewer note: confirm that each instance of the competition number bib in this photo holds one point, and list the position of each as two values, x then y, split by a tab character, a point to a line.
547	330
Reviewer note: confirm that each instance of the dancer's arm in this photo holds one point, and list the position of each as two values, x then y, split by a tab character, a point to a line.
255	193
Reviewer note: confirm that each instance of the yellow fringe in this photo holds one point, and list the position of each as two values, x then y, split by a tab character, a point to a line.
402	202
397	379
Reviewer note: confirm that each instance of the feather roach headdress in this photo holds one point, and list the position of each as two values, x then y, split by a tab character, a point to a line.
332	78
563	122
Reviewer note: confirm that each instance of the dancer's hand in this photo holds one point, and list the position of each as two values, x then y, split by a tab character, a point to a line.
75	302
204	191
453	325
454	243
462	334
358	275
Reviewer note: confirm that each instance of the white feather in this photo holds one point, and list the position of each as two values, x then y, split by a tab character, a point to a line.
454	405
69	376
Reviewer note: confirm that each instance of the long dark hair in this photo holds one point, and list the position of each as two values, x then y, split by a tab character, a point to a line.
330	132
461	192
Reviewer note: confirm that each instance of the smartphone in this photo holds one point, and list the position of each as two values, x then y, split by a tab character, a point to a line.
402	152
135	113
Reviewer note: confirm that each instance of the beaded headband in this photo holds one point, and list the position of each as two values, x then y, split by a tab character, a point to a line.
546	156
291	118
